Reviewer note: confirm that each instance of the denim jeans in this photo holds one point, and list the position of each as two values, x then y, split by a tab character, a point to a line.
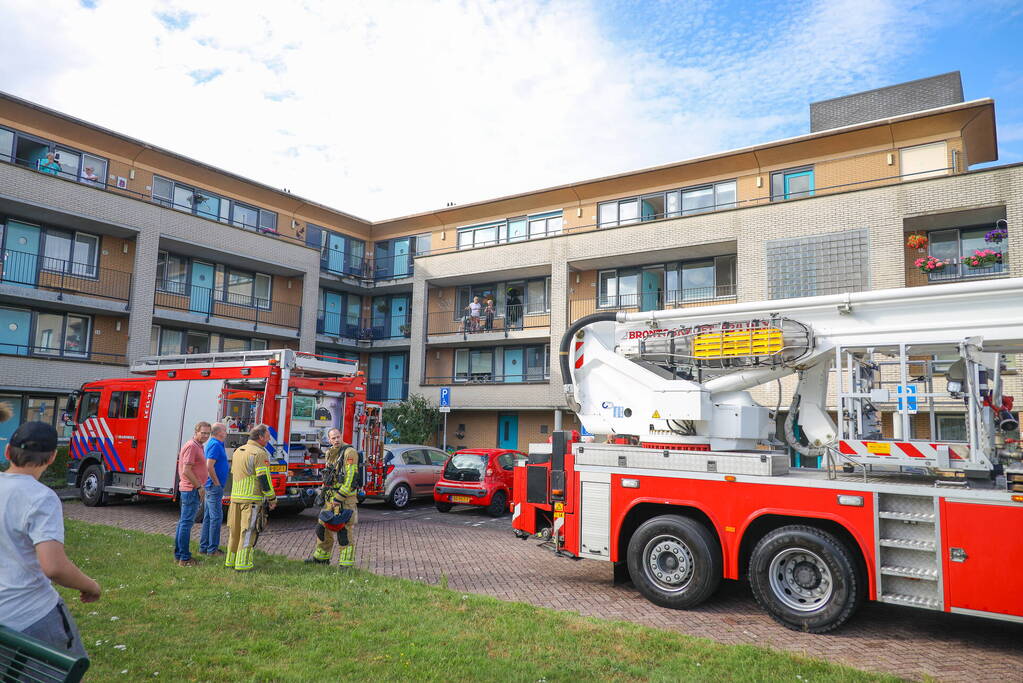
189	506
210	539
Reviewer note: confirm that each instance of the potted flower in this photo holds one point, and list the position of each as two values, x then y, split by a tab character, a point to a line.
982	258
406	330
930	264
917	241
997	235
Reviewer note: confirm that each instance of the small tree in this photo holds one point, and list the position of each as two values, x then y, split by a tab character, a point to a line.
415	419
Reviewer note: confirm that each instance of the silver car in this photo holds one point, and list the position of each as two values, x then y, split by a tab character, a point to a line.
410	472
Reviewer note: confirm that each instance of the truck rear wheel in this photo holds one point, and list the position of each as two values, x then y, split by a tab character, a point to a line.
91	489
674	561
806	579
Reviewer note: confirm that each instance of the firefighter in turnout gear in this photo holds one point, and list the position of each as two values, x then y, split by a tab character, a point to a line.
251	490
340	490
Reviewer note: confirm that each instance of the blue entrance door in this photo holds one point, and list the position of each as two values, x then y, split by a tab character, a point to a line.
513	365
14	331
652	284
21	254
508	431
201	288
395	377
8	426
335	253
399	315
400	253
332	313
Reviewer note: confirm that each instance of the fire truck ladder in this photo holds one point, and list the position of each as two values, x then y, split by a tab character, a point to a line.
296	361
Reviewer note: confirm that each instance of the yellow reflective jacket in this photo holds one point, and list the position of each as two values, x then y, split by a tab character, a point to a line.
344	484
250	474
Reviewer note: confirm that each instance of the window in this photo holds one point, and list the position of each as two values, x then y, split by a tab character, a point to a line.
41	409
171	342
507	364
923	161
618	288
6	144
88	406
436	457
45	334
951	427
124	405
654	287
186	198
231	286
341	254
952	246
171	273
670	204
536	296
422	244
49	332
76	253
792	184
537	363
511	230
832	263
474	365
245	216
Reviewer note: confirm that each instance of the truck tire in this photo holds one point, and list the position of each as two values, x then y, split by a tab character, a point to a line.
498	504
806	579
674	561
399	497
91	489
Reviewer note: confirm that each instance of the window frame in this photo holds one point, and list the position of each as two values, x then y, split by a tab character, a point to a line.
787	173
673	202
69	267
963	271
673	270
553	224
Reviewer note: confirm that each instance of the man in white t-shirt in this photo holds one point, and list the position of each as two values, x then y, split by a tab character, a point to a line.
32	546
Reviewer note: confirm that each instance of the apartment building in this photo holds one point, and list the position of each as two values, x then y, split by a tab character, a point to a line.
127	250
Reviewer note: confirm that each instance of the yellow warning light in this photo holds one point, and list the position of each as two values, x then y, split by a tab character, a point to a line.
736	343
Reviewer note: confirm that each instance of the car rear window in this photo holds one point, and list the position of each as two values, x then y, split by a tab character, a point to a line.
465	467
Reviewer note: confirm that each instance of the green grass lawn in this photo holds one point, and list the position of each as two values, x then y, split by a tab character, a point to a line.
292	622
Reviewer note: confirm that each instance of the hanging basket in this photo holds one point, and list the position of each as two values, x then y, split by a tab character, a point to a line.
917	241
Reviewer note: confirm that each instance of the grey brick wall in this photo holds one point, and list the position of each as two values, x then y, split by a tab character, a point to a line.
893	100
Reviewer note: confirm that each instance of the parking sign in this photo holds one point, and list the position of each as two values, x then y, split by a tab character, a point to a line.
445	397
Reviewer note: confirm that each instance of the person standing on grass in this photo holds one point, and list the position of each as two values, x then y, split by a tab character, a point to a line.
340	490
218	468
191	476
251	487
32	545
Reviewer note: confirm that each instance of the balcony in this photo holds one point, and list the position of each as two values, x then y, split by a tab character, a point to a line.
62	353
653	301
513	321
472	378
369	271
64	277
210	303
957	272
364	330
387	391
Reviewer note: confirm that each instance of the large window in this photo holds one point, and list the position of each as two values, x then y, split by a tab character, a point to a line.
502	364
670	204
954	245
41	333
208	205
169	341
653	287
512	299
339	254
180	275
76	253
511	230
68	163
831	263
792	184
171	273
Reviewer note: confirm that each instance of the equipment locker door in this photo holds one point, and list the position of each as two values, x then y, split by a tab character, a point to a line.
177	406
983	556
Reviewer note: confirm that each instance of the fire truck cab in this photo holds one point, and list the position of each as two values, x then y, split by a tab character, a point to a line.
127	432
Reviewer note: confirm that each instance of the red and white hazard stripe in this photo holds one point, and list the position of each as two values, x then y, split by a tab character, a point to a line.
905	449
579	356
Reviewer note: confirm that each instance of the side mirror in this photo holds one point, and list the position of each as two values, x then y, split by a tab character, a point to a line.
67	419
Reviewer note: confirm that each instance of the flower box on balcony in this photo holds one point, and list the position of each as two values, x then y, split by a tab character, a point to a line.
930	264
982	258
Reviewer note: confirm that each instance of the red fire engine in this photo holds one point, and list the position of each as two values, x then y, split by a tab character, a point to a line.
127	432
702	489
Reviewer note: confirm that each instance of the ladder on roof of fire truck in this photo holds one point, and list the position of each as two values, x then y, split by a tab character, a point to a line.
295	361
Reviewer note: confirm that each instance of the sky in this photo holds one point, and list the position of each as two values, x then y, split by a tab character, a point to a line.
385	108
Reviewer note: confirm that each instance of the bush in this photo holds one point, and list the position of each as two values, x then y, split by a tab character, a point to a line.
415	419
55	475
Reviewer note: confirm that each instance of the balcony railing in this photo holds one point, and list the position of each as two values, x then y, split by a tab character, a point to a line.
507	319
56	353
653	301
64	276
527	377
960	271
392	267
217	303
366	268
364	328
387	390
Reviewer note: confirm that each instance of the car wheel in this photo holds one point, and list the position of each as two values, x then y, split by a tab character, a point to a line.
806	579
498	504
674	561
91	490
399	497
443	507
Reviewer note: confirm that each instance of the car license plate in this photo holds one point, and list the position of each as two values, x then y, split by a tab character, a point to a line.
461	499
278	468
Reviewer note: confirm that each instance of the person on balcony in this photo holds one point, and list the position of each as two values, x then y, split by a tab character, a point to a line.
488	314
51	165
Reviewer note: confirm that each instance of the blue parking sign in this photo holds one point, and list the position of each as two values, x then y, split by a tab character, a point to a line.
909	392
445	397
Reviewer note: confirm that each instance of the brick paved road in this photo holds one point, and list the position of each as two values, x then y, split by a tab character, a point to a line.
478	554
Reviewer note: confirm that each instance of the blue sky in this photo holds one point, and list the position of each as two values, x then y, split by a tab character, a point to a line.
388	107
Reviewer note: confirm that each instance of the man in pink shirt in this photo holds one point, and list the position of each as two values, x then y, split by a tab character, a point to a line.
192	475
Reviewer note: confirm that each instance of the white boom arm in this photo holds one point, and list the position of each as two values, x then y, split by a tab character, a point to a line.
616	384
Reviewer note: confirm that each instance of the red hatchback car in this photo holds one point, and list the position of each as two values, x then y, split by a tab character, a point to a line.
477	476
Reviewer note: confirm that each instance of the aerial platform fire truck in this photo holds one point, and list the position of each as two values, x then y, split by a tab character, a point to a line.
128	432
694	484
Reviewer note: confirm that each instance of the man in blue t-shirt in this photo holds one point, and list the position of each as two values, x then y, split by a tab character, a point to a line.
218	467
32	546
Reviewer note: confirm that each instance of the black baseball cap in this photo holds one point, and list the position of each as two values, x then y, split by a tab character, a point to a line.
38	437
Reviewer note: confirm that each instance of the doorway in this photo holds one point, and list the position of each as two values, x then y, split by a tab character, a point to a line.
508	431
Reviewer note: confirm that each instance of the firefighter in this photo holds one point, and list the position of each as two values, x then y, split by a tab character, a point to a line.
251	492
339	493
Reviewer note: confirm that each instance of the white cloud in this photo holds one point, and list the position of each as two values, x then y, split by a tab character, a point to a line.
382	108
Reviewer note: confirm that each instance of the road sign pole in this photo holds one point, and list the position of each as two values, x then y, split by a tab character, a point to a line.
445	446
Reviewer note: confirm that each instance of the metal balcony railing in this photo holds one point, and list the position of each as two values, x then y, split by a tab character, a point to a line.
387	390
526	377
65	276
960	271
62	353
367	268
653	301
392	267
506	319
364	328
218	303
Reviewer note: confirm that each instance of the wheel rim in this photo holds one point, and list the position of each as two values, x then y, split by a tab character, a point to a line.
801	580
669	563
401	496
90	487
